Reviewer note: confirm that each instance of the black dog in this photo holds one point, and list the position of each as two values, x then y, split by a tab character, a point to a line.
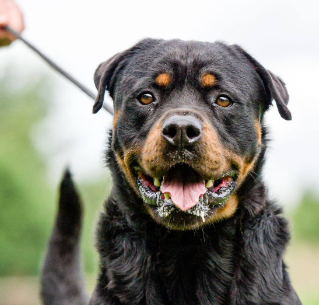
188	220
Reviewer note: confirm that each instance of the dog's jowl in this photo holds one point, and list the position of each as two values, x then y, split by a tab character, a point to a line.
188	221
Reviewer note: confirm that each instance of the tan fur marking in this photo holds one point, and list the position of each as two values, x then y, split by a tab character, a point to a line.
243	166
124	164
115	118
211	154
153	150
163	79
226	211
248	167
258	132
208	80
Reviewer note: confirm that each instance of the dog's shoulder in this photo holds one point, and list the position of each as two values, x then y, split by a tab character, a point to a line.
261	272
269	225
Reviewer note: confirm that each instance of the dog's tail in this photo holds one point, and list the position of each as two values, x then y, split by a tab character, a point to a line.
62	282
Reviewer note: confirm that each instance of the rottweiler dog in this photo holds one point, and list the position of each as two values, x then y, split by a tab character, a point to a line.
188	220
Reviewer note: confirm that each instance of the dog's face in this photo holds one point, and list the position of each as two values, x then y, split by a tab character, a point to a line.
187	125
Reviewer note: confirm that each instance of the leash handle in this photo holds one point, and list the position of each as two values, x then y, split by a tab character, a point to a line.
58	68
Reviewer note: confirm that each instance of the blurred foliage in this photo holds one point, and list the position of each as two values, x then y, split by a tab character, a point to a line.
27	202
24	195
306	218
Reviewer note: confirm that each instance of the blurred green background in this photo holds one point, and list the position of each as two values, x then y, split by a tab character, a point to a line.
28	205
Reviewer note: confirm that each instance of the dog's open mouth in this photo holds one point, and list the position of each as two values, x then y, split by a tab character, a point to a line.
182	189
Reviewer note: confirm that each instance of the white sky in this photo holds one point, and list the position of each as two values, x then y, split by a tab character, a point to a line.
282	35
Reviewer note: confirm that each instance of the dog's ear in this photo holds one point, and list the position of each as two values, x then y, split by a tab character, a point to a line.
103	77
274	86
107	72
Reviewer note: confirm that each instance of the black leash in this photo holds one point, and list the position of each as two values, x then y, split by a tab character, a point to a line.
59	69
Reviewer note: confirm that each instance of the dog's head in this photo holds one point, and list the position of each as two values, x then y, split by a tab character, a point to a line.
187	124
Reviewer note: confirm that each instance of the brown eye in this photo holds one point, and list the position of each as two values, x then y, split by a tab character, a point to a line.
223	101
146	98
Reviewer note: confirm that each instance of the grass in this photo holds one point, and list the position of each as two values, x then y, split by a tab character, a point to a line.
302	259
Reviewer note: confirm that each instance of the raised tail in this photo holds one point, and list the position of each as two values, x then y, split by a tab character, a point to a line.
62	282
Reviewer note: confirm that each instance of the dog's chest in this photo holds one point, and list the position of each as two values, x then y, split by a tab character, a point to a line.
194	270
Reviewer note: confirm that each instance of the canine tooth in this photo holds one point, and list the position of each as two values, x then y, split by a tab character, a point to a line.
167	196
209	183
157	182
202	214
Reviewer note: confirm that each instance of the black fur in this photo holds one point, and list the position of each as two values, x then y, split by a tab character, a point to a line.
235	261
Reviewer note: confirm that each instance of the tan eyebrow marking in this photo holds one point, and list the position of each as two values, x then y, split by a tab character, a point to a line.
163	79
208	80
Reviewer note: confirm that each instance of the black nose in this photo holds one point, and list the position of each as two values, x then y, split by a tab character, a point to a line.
181	131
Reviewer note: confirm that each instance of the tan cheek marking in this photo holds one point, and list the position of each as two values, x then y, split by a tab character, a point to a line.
211	152
208	80
115	119
153	149
162	79
226	211
125	163
243	166
258	132
248	167
220	159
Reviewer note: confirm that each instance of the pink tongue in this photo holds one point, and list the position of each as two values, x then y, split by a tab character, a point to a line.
184	196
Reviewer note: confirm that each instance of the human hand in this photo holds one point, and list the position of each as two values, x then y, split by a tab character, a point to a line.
10	15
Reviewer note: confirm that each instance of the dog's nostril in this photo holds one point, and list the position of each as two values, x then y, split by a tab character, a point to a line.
170	131
192	132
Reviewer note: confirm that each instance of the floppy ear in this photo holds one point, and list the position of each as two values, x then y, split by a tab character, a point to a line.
107	72
103	78
274	86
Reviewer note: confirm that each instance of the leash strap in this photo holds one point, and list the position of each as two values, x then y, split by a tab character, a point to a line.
108	108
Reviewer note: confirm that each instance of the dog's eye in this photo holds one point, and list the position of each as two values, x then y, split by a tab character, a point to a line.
146	98
223	101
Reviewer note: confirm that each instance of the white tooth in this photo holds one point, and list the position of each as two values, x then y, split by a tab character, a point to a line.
157	182
167	196
202	215
209	183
